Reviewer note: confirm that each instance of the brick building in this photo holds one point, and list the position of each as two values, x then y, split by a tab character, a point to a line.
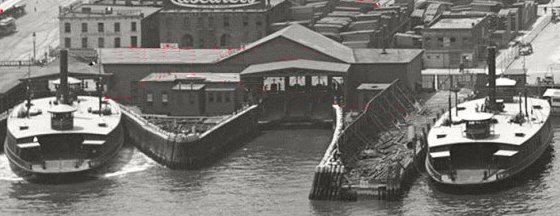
455	40
87	26
218	24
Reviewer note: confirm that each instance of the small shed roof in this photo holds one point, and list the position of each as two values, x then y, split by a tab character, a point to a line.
71	80
373	86
552	93
502	81
477	116
62	108
188	87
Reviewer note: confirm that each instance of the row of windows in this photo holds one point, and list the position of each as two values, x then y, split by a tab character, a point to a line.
100	27
446	41
218	97
201	21
101	42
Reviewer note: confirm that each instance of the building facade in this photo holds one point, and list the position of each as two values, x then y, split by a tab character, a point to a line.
291	54
217	24
456	41
190	94
88	26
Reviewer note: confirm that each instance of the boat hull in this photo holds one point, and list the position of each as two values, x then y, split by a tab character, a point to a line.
71	165
544	135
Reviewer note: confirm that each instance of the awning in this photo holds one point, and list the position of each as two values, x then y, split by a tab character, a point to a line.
93	142
309	67
28	145
505	153
440	154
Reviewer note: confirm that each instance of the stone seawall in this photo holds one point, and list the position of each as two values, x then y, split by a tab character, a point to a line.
178	151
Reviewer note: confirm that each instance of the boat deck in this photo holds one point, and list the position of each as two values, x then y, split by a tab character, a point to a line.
84	122
503	132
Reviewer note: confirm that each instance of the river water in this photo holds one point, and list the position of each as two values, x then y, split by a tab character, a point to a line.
271	175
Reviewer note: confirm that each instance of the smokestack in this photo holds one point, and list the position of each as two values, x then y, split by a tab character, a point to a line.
63	87
492	77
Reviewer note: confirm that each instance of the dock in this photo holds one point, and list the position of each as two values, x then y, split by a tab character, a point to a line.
378	154
188	142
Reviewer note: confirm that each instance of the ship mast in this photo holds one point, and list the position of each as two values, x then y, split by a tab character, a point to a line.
28	90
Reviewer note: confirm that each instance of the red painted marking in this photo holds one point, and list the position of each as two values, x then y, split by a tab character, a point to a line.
1	11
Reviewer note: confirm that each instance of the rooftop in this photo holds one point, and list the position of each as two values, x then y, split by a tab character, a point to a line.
161	56
456	23
373	86
95	10
297	64
207	77
366	55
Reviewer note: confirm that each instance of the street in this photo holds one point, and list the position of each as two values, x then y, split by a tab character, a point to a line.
44	21
546	56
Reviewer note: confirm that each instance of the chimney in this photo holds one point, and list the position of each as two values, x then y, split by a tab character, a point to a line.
63	87
492	77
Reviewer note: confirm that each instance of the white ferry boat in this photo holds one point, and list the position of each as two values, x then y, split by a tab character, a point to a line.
63	134
553	97
490	139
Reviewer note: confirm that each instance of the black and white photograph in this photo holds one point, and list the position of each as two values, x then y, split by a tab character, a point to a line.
279	107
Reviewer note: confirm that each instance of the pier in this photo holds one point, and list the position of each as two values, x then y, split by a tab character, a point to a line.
190	149
378	154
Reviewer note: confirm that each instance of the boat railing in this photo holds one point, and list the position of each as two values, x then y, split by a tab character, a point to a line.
434	172
514	169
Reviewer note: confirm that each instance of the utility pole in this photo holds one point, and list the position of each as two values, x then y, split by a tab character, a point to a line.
34	50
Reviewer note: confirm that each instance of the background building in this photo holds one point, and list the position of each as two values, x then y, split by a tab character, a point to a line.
87	26
218	24
455	40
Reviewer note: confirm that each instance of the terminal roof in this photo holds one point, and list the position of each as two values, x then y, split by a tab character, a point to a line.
160	56
366	55
297	64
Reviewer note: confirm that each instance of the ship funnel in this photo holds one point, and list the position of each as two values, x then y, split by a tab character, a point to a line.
492	78
63	87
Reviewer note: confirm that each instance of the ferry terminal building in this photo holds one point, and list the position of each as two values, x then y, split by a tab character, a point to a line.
292	59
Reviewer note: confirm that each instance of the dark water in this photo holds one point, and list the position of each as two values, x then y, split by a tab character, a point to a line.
269	176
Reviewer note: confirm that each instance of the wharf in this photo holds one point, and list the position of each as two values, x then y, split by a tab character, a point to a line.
187	142
377	154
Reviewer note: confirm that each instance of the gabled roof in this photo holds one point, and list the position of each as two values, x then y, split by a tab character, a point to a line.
325	67
309	38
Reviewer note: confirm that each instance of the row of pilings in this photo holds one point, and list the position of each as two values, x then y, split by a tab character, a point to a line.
382	113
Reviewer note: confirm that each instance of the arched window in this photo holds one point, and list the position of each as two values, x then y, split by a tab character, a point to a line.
186	41
225	40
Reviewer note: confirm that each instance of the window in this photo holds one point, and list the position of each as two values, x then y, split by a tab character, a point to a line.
84	42
245	21
211	23
100	27
67	43
219	97
259	22
164	98
117	27
227	97
201	42
133	26
226	21
210	96
133	41
149	97
67	28
225	40
200	22
101	42
440	42
191	97
186	41
452	40
186	22
84	27
117	42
